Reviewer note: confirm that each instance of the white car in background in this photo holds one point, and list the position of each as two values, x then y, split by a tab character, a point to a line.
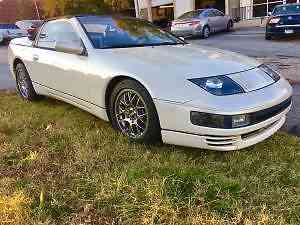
11	31
29	24
151	85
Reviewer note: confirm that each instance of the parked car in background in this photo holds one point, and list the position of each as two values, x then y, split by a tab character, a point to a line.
11	31
201	23
29	24
151	85
284	21
1	38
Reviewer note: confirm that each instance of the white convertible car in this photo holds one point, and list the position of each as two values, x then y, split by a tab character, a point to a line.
151	85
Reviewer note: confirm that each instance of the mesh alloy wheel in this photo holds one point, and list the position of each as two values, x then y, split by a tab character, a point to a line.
21	82
131	113
24	84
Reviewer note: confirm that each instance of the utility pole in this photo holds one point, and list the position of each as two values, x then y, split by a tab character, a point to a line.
149	10
37	10
137	8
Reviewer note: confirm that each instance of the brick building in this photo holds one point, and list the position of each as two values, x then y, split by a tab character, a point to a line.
13	10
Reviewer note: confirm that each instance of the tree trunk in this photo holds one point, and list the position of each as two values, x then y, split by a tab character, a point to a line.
149	10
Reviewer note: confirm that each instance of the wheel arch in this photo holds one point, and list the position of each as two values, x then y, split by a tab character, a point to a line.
113	82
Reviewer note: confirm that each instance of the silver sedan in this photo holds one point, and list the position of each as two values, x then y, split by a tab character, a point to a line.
201	23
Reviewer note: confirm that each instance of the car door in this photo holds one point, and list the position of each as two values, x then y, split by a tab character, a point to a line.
212	20
222	20
63	74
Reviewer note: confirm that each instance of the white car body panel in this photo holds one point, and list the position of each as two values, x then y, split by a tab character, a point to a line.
164	71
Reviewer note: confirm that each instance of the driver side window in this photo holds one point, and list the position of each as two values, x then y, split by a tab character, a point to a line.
54	31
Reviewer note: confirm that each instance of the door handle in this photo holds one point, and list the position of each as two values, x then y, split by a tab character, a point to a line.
35	58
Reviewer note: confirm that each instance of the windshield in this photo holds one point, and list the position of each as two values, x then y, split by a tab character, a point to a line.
287	9
108	32
191	15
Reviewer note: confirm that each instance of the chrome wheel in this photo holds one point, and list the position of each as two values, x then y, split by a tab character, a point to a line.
206	32
21	82
131	113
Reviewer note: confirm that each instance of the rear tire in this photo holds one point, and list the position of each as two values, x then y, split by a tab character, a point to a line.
229	26
133	112
24	83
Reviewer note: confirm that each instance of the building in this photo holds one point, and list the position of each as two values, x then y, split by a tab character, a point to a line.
14	10
8	11
239	9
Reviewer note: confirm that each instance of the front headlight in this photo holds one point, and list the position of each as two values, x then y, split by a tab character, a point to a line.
274	75
219	85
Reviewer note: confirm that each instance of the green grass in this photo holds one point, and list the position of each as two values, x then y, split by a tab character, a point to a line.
60	165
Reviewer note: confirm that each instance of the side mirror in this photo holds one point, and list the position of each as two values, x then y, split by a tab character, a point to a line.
31	34
72	47
181	38
269	13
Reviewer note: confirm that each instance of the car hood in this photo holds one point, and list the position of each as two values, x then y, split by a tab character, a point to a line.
24	41
185	61
165	69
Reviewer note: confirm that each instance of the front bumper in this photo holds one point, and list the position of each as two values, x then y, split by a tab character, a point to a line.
178	129
227	143
283	30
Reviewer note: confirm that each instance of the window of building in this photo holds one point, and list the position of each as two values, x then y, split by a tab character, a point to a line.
261	8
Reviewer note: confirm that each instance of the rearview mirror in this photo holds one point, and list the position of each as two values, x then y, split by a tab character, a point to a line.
72	47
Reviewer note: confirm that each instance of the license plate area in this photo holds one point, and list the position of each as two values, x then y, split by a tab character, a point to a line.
289	31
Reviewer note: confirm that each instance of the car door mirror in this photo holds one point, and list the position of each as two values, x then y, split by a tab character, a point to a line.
31	34
72	47
269	13
182	38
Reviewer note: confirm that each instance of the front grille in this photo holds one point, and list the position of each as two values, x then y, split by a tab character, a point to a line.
218	141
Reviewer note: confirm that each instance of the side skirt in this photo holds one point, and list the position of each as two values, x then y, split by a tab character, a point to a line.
80	103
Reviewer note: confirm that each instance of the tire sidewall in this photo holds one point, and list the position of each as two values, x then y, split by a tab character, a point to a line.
153	131
229	25
203	35
31	94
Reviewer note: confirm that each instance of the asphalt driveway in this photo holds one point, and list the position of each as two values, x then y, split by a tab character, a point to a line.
6	82
251	42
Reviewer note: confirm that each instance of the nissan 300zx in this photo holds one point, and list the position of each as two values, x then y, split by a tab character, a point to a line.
151	85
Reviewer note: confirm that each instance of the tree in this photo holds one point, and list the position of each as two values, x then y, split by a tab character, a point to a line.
70	7
119	5
54	7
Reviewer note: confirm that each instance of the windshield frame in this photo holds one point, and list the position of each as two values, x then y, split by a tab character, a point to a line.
178	40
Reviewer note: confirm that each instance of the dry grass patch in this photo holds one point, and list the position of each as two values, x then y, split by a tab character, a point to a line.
60	165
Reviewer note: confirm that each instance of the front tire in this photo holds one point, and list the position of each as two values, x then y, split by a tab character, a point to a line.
205	32
24	83
268	36
133	112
